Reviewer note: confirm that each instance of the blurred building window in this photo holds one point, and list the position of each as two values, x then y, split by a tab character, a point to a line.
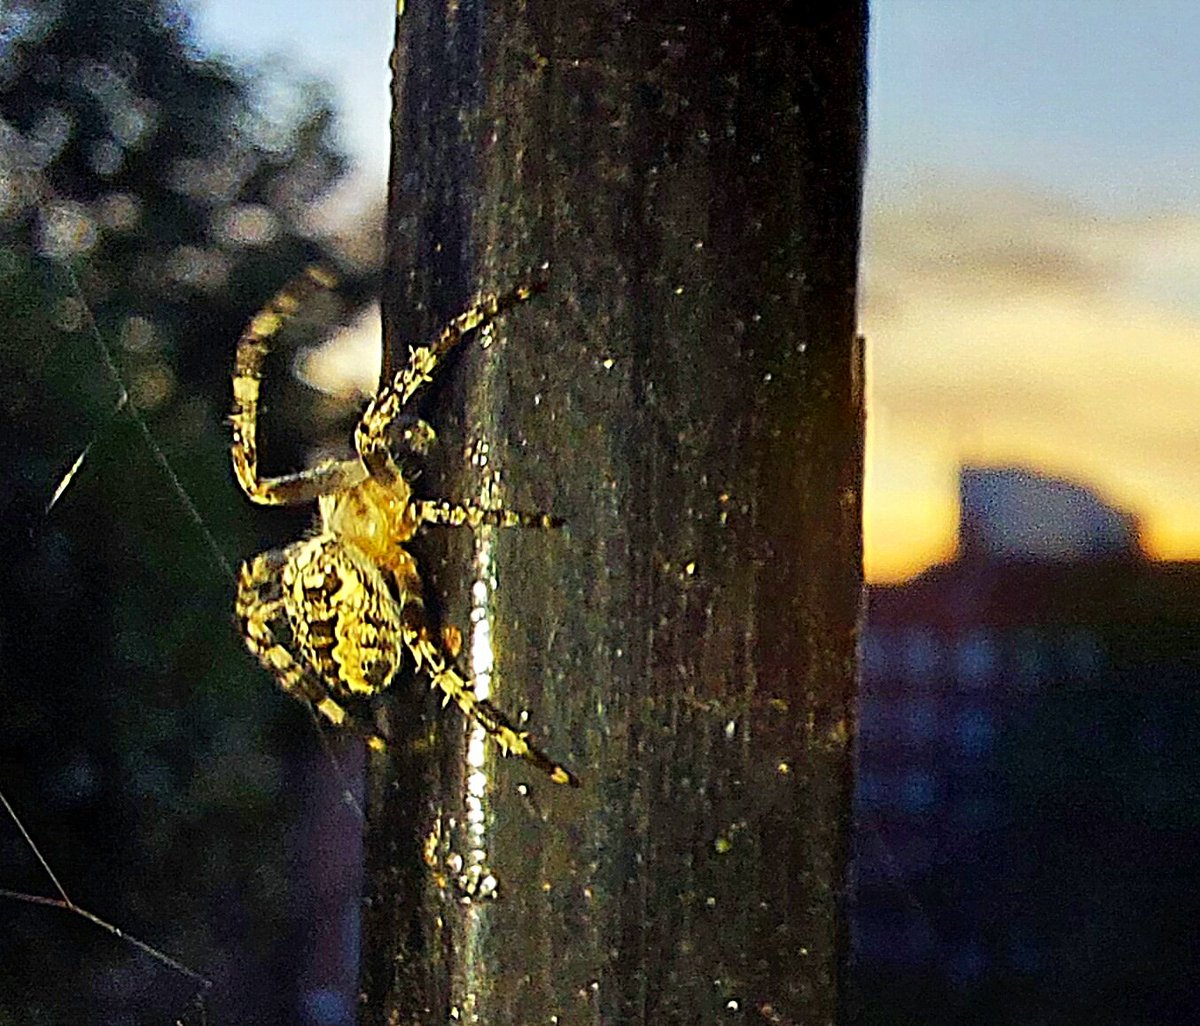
919	944
975	731
966	962
922	657
1024	952
977	657
877	719
1028	660
877	649
1083	654
1153	732
872	791
921	721
974	812
875	939
918	791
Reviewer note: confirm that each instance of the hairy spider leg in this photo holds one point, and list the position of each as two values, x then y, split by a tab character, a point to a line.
445	676
418	436
385	409
371	442
252	349
263	619
370	437
466	514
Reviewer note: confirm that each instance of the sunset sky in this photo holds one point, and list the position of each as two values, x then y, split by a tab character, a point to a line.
1031	273
1032	261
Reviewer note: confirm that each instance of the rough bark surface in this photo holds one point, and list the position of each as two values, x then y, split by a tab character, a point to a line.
688	395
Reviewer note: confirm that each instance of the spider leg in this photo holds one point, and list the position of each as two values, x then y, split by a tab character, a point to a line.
370	437
263	617
455	688
261	609
252	351
459	514
416	435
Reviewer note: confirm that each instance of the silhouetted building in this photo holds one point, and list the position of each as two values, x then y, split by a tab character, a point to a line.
1012	513
1028	790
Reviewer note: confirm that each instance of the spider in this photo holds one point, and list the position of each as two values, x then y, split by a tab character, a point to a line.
333	615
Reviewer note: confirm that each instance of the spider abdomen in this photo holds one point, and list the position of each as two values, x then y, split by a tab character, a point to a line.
345	620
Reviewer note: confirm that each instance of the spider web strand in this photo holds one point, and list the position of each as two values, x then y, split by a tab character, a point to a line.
12	813
125	402
67	905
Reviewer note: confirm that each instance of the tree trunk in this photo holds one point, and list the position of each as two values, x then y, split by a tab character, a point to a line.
687	394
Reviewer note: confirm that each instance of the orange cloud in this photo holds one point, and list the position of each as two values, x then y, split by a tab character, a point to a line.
1005	326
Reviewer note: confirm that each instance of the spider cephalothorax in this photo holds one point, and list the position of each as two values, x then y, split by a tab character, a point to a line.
335	615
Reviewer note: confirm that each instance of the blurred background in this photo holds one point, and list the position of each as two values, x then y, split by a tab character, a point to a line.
1028	788
1028	809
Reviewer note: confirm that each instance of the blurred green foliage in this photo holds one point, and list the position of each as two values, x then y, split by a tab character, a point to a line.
151	198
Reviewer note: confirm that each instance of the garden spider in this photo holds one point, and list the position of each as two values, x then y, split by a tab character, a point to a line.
332	615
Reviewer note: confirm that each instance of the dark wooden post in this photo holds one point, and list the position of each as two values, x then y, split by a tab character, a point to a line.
688	394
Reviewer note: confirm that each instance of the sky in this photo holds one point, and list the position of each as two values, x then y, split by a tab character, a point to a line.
1031	243
1031	265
